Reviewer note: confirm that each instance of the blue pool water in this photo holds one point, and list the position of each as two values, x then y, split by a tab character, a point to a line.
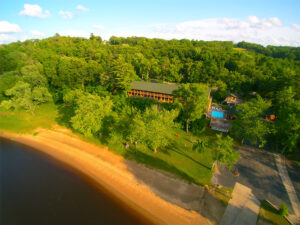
216	114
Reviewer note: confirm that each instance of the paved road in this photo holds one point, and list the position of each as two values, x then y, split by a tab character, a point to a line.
258	171
294	173
243	207
280	162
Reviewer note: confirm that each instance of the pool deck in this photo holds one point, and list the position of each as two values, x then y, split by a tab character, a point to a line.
217	114
219	123
217	109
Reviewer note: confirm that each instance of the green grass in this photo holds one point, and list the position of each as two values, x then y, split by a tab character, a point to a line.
223	194
23	122
177	158
269	214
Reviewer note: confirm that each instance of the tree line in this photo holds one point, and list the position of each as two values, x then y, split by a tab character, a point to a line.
91	73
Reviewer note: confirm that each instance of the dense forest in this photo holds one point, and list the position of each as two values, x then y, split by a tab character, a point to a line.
89	78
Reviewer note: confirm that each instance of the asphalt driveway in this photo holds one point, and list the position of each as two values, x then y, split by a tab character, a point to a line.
258	171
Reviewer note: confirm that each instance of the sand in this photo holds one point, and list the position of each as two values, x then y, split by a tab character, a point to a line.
110	171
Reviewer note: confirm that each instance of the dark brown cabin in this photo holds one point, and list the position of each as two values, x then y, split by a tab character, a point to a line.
157	91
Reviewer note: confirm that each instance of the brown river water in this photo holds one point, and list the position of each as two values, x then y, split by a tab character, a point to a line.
37	190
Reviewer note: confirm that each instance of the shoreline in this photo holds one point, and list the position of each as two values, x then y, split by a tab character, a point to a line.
108	172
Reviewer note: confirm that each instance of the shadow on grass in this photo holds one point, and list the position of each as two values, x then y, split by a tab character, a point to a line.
174	148
155	162
65	113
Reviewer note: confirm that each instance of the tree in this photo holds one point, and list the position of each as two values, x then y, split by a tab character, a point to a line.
30	91
137	130
224	152
158	124
32	74
23	96
71	97
90	113
152	127
192	99
250	123
121	74
75	72
7	81
288	119
96	38
200	146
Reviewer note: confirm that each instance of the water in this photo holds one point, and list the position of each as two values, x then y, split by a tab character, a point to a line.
35	190
217	114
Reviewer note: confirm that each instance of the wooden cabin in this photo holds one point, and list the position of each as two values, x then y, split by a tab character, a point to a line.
157	91
231	99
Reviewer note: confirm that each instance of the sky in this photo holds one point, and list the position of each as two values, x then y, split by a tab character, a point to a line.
266	22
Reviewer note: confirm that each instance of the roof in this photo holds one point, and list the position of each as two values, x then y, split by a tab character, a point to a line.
232	95
154	87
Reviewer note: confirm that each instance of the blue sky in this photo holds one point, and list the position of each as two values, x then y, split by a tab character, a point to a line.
275	22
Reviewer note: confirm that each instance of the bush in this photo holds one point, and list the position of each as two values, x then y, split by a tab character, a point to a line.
199	125
283	210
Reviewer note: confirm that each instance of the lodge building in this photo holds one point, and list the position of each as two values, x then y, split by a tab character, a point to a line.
157	91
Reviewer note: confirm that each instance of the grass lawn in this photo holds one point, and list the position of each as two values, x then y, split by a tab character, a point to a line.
23	122
269	214
177	158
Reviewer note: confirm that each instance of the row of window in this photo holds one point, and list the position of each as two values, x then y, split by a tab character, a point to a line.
169	99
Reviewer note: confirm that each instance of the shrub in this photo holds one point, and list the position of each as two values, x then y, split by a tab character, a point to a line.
283	210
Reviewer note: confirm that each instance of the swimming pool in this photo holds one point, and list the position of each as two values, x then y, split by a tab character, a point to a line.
217	114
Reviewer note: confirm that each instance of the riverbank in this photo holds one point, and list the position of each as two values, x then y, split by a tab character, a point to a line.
112	172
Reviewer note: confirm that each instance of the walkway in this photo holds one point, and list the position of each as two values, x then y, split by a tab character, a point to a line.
243	208
280	162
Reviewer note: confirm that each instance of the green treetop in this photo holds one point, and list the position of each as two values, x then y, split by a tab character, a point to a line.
192	99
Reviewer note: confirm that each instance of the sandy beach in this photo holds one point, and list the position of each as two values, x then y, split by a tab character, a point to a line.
111	172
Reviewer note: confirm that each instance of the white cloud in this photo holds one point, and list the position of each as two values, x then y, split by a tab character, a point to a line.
6	27
253	20
264	23
82	8
275	21
75	33
65	14
265	31
7	38
296	26
37	33
34	11
98	27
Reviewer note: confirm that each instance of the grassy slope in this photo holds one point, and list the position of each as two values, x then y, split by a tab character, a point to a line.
23	122
177	158
269	214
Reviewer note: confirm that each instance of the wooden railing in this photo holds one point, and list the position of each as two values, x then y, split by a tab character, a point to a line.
151	95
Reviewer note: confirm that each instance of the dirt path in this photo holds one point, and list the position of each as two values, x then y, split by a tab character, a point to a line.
243	208
114	174
280	162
